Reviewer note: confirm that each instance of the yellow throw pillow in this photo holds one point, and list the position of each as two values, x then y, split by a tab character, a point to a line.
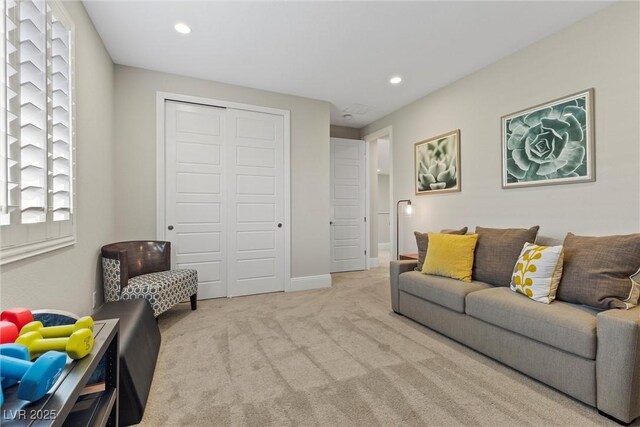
538	271
450	255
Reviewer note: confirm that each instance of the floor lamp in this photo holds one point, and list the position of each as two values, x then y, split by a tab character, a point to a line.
398	223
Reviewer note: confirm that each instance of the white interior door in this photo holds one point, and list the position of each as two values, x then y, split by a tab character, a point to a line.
195	210
348	209
255	171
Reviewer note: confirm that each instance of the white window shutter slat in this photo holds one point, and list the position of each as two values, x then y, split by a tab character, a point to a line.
4	189
12	105
33	111
61	153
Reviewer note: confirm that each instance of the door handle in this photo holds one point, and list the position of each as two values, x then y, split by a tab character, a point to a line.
279	225
330	222
170	227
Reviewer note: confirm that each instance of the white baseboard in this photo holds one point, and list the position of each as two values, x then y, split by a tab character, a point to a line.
306	283
373	262
384	246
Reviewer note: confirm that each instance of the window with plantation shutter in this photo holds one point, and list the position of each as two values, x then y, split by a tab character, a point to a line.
36	150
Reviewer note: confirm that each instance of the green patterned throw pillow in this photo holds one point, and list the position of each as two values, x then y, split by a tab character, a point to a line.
537	272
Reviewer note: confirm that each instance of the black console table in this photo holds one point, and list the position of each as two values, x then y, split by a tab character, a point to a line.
64	405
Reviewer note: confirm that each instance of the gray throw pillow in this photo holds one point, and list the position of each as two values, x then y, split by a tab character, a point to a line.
422	240
497	251
598	271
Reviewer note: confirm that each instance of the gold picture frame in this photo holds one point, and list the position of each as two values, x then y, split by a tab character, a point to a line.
437	164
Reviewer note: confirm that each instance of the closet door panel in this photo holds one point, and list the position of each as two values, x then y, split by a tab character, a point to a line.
255	161
195	207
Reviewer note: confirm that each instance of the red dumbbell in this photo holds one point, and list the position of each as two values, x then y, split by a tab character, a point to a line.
18	316
8	332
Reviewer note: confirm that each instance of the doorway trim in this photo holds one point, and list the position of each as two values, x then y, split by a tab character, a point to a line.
161	98
381	133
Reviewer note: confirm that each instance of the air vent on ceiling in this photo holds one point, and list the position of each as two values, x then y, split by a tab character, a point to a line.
358	109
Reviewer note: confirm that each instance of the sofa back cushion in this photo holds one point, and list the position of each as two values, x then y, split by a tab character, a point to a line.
422	241
600	271
450	255
497	252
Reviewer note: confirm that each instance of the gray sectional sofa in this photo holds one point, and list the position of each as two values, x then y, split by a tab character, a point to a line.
593	356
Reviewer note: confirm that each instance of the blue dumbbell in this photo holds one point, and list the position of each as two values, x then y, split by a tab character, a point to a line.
36	378
18	351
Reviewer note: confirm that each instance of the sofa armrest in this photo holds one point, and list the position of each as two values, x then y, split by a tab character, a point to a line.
396	269
618	363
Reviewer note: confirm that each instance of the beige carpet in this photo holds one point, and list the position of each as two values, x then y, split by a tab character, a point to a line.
335	357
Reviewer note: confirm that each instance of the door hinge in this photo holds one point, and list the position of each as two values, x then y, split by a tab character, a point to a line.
365	251
365	219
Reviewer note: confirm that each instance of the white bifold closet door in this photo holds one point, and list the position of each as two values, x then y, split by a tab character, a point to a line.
224	201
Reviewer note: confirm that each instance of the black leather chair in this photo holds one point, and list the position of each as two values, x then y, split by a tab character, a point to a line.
142	270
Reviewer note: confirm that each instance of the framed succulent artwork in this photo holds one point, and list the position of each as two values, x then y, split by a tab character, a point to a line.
552	143
437	164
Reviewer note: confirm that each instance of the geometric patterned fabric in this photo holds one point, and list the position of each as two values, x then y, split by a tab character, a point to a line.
162	289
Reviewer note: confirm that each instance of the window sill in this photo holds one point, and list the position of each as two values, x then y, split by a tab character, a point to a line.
18	253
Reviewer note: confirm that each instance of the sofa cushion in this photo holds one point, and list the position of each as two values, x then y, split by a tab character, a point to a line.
422	242
497	252
569	327
600	271
446	292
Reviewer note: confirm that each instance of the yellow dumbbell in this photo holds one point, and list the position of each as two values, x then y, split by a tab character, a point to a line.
58	331
77	345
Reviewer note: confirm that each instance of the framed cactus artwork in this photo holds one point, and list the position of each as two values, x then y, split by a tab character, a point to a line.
552	143
437	164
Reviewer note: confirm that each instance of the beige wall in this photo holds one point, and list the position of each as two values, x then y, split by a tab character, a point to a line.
344	132
602	52
136	153
65	279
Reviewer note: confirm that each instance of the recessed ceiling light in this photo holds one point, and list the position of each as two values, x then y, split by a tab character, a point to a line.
182	28
378	170
347	117
395	80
